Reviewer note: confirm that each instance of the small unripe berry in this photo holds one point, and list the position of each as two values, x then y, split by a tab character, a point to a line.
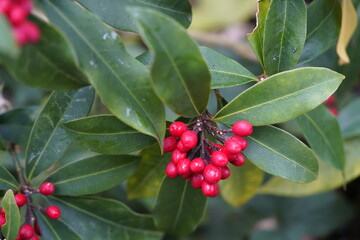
47	188
197	165
26	231
210	190
20	199
2	220
232	146
53	212
225	172
177	129
183	167
212	174
196	180
171	171
242	128
219	159
189	139
238	160
177	155
170	144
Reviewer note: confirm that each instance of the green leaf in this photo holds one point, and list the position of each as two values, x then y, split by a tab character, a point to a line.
147	179
55	229
242	184
121	81
329	178
114	13
321	130
349	119
106	134
48	140
323	27
11	228
280	153
284	35
92	175
224	71
8	47
106	217
180	76
51	63
7	180
281	97
179	208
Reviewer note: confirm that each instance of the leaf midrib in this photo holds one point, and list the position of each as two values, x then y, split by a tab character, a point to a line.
158	6
322	22
179	210
233	73
282	36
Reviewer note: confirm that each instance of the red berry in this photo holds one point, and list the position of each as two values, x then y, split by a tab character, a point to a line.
196	180
242	128
180	146
189	139
229	155
225	172
219	159
210	190
243	143
183	167
212	174
47	188
330	100
2	220
20	35
26	231
177	155
177	128
37	229
27	6
238	160
334	111
5	6
18	237
170	144
32	31
197	165
17	15
232	146
34	237
171	171
20	199
53	212
2	212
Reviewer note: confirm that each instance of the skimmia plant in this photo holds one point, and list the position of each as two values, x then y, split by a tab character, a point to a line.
159	132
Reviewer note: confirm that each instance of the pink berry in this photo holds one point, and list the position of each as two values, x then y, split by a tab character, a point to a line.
5	6
212	174
170	170
2	220
219	159
183	167
170	144
26	231
189	139
47	188
210	190
225	172
17	15
20	199
197	165
177	155
242	128
53	212
20	35
177	129
196	180
238	160
32	31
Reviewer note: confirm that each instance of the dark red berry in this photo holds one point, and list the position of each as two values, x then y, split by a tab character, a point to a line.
225	172
330	100
32	31
170	144
212	174
210	190
243	143
171	171
238	160
53	212
232	146
334	111
17	15
18	237
177	129
196	180
47	188
20	199
219	159
180	146
5	6
177	155
2	220
197	165
34	237
37	229
2	212
183	167
189	139
26	231
242	128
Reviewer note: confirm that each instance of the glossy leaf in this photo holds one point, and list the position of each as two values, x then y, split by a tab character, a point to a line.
106	134
55	229
106	217
8	47
92	175
281	154
179	74
114	13
321	130
224	71
281	97
348	26
284	35
349	119
179	208
329	178
48	140
242	184
323	27
121	81
11	228
7	180
51	63
147	179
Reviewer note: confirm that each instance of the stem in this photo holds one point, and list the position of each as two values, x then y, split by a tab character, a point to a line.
17	165
219	99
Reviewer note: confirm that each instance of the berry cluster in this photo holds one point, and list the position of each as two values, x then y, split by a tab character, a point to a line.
17	12
330	102
27	231
200	160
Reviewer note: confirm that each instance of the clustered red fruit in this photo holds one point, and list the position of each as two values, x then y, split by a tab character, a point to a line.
17	12
200	160
330	103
